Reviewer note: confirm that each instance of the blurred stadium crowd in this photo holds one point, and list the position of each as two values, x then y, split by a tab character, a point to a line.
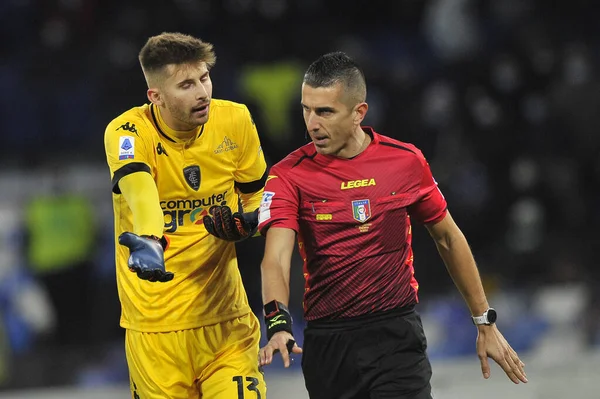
503	97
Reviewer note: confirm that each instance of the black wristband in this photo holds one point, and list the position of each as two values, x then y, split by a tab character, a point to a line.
277	318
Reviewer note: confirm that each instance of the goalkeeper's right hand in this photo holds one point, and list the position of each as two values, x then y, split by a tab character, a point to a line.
146	256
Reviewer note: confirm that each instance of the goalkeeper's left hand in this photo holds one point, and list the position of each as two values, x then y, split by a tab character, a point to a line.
230	227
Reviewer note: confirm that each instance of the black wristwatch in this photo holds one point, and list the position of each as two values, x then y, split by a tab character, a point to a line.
488	318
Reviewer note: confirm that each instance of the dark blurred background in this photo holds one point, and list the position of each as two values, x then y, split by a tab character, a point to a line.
503	98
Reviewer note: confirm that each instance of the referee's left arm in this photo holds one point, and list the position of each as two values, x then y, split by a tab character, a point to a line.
275	269
276	264
456	254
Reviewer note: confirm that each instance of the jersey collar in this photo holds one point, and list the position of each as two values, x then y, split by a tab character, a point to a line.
165	131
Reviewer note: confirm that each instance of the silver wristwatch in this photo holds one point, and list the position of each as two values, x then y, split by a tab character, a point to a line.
488	318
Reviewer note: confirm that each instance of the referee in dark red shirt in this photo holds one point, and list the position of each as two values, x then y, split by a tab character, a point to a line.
349	198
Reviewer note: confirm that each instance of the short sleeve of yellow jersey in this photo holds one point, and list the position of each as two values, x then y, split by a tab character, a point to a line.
251	171
128	147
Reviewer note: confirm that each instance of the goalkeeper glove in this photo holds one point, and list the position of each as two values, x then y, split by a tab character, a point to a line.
230	227
278	318
146	256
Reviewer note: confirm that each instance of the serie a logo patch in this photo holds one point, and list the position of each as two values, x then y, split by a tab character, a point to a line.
126	147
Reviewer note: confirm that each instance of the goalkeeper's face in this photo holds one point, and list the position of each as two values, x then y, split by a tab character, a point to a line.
331	118
185	93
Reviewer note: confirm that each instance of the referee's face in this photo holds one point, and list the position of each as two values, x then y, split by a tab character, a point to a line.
329	121
186	93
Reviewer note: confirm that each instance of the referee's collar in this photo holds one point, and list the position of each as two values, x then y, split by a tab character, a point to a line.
374	136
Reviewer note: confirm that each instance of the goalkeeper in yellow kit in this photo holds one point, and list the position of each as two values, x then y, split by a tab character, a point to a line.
187	178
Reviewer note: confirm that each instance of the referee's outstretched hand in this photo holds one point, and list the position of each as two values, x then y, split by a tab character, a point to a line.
282	342
491	343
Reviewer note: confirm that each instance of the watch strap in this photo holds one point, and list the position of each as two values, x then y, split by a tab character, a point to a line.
487	318
480	320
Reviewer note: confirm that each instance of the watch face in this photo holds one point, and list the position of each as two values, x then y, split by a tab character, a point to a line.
491	316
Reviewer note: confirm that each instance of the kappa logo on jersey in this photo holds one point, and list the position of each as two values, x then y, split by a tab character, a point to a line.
358	183
130	127
161	150
192	176
361	210
180	212
226	145
126	147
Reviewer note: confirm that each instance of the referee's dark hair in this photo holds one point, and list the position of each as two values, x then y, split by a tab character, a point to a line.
337	67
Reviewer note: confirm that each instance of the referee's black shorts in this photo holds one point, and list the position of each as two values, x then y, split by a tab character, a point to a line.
376	356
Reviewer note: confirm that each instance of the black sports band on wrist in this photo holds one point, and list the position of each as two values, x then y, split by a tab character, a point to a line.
277	318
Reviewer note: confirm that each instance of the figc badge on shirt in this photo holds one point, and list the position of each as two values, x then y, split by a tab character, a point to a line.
361	210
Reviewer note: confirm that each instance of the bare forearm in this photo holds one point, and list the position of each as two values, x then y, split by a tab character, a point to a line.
276	264
275	282
461	266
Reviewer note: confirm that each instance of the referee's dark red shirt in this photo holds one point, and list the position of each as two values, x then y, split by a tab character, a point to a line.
353	219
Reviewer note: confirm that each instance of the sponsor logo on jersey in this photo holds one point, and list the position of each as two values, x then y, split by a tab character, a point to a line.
180	212
267	198
226	145
126	147
264	211
361	210
346	185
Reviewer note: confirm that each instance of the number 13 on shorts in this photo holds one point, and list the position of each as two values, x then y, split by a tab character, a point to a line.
249	387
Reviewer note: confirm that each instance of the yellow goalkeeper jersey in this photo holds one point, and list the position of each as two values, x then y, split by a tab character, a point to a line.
222	163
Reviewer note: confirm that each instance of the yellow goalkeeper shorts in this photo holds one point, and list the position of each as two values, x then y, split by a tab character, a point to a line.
212	362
